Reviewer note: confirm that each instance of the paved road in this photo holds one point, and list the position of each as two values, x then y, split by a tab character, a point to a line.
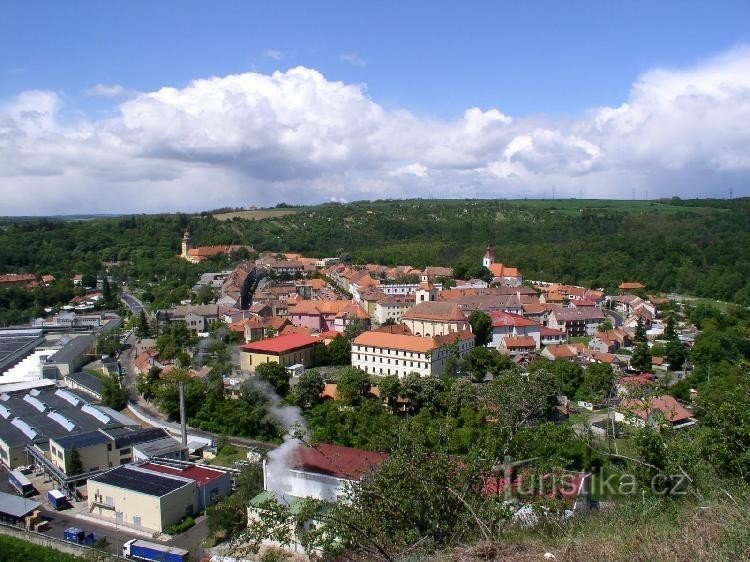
133	303
616	317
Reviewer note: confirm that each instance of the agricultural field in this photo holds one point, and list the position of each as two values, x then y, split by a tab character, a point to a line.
255	214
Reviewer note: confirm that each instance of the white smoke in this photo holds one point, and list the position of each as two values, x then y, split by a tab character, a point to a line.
279	462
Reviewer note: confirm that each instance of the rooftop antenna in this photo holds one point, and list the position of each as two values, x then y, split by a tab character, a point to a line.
731	192
633	191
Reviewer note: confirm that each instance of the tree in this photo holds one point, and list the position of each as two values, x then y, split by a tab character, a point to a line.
340	351
479	362
205	295
74	465
276	375
481	326
641	358
113	394
669	330
597	383
389	322
569	376
389	387
675	353
108	344
143	330
640	331
605	326
354	328
353	386
308	389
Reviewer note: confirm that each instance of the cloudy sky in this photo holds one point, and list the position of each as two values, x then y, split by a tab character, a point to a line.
131	107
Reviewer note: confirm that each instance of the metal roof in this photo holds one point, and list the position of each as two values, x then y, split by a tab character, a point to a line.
72	350
87	381
142	481
82	440
16	506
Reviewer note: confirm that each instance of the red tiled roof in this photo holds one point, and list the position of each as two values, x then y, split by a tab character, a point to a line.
200	474
549	332
501	319
280	344
442	311
519	341
673	411
337	461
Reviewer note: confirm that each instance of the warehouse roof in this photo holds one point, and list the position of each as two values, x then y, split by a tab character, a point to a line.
200	474
16	506
142	481
82	440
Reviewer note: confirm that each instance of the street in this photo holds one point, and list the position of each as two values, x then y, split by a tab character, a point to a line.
133	303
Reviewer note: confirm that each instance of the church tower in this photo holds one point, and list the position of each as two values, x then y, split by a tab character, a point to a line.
187	244
426	291
489	257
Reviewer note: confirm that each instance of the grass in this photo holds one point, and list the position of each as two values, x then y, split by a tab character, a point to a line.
256	214
642	529
228	454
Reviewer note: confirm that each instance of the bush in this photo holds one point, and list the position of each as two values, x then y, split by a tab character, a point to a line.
180	527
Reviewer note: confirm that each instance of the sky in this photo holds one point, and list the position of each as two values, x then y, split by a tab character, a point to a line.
187	106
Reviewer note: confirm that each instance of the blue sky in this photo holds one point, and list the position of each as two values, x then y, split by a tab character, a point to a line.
545	65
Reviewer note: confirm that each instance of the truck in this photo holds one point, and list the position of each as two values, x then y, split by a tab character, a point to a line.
57	499
136	549
74	534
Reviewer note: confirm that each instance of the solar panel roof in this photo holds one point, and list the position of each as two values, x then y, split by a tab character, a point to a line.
142	481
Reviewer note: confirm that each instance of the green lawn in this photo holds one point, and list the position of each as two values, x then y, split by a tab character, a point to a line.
228	454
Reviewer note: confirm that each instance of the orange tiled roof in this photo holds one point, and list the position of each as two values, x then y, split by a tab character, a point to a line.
409	343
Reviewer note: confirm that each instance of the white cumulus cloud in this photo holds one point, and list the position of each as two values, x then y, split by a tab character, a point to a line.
296	136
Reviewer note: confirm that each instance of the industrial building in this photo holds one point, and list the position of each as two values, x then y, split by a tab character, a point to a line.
142	498
15	345
107	448
31	418
211	483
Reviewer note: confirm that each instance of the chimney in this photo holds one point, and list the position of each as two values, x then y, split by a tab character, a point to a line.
183	424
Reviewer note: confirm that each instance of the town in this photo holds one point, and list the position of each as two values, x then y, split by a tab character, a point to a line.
216	412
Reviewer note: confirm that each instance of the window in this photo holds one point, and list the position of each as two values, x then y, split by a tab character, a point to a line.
137	520
109	500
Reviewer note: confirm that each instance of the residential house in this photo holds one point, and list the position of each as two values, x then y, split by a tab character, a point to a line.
325	315
550	336
576	322
506	324
655	411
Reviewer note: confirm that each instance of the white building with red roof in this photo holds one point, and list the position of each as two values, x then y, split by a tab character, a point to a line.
291	349
507	324
655	411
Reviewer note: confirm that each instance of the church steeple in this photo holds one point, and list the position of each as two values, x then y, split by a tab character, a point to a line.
489	257
187	243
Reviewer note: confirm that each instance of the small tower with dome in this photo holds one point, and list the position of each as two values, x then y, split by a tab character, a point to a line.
187	244
489	257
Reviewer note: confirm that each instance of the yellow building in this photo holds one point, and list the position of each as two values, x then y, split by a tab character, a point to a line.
435	319
287	350
141	498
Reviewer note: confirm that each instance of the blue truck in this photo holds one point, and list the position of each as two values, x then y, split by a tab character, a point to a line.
74	534
136	549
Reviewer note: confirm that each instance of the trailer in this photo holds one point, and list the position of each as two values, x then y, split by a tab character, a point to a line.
136	549
74	534
57	499
22	484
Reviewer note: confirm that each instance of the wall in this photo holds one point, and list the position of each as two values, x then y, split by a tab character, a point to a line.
249	361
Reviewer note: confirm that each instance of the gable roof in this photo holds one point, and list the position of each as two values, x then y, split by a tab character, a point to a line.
442	311
280	344
409	343
334	460
502	319
518	341
673	411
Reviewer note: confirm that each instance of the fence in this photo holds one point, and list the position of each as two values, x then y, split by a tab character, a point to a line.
41	539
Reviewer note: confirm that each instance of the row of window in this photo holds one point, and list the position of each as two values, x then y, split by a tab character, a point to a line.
404	362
